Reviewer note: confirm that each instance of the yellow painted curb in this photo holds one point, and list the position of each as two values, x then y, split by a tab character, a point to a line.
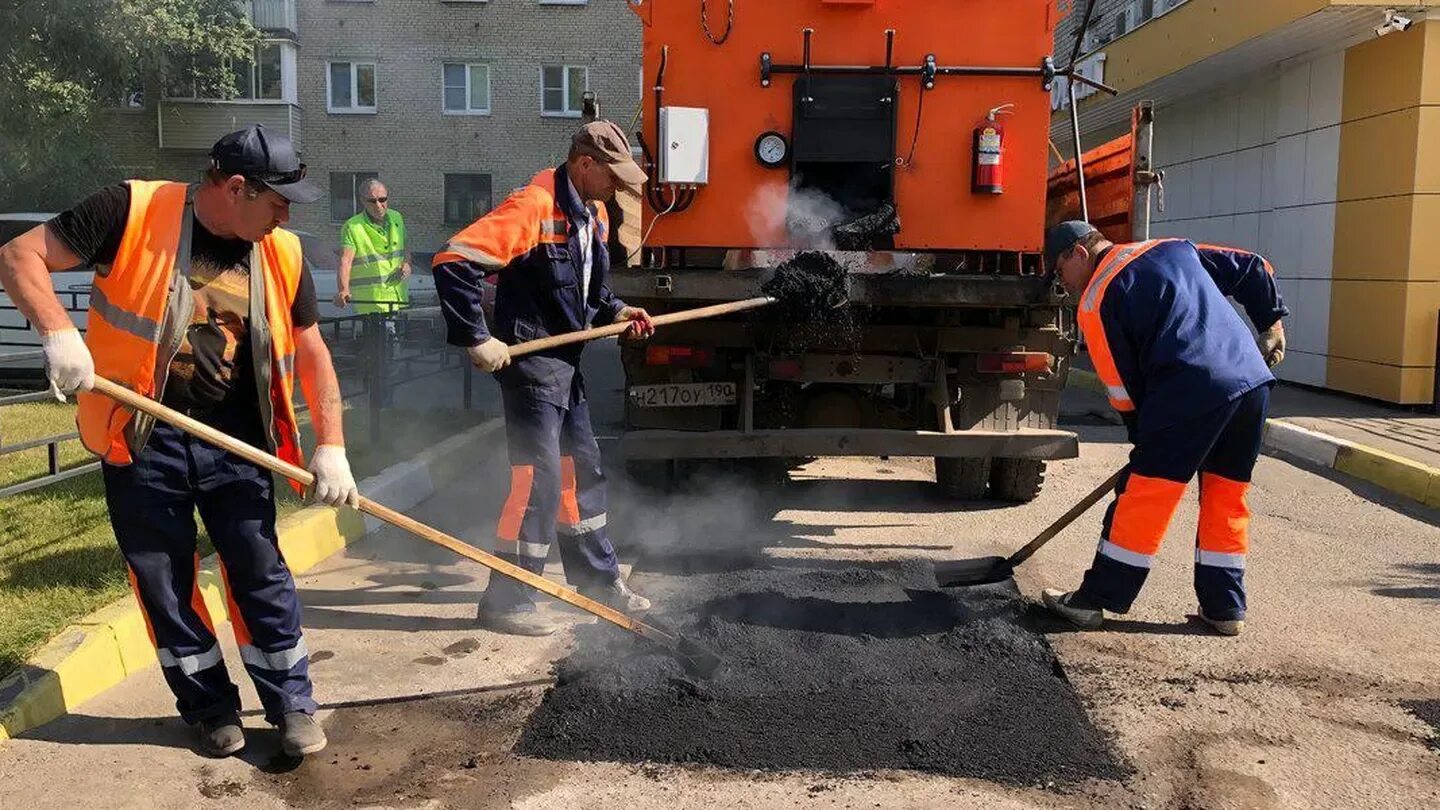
1394	473
98	651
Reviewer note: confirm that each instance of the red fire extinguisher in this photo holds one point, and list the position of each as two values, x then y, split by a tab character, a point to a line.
989	170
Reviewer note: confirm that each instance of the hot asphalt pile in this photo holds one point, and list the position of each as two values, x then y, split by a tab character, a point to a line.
809	287
831	670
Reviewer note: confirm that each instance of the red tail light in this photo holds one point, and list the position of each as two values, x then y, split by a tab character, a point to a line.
1013	362
679	356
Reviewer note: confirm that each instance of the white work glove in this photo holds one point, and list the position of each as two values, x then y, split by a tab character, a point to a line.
490	356
334	484
1272	344
68	364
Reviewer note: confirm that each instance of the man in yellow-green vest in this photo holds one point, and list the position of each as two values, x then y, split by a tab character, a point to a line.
374	256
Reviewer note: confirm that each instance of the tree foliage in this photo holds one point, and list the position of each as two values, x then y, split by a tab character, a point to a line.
63	61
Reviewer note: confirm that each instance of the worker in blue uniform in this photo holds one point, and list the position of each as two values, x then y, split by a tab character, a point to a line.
546	247
1192	384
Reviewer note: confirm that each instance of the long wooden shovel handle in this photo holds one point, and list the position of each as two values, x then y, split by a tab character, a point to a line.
615	329
1066	519
255	455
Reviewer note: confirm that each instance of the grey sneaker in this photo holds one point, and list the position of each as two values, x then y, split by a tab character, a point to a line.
1225	627
301	735
515	623
1059	603
619	596
220	736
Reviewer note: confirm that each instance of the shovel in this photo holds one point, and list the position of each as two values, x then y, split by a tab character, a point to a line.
695	657
619	328
989	570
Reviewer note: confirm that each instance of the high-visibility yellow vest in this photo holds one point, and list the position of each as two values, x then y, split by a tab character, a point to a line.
139	309
375	282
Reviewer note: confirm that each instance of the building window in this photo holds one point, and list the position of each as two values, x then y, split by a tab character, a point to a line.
562	90
467	197
350	87
467	89
261	78
345	193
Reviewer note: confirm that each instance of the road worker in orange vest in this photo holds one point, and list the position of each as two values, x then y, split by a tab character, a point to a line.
1193	386
207	307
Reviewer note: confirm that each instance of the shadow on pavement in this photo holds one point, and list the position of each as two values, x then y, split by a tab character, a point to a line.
1412	581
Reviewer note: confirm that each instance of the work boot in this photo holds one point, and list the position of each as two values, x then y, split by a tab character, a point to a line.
301	735
617	595
1065	606
514	622
220	736
1225	627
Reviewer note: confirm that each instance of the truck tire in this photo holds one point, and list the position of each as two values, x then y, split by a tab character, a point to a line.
962	479
1018	480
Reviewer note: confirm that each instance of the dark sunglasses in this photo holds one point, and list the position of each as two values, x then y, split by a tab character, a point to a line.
377	199
279	178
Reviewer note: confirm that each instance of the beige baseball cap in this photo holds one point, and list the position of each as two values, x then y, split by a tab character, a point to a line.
606	142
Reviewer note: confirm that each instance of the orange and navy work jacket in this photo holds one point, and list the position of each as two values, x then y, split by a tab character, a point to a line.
531	246
141	306
1164	340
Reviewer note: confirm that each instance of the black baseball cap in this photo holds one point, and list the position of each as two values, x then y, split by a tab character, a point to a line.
1061	238
265	158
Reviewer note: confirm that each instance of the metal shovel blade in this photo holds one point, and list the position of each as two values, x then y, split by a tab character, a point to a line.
979	571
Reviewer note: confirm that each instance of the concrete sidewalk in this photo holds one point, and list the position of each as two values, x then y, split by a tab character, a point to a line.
1399	431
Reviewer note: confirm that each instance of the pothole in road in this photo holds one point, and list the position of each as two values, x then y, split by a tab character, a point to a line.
833	670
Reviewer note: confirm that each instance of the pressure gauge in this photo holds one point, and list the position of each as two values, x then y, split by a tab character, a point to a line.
772	150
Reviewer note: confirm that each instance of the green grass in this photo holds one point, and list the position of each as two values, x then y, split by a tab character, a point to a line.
58	559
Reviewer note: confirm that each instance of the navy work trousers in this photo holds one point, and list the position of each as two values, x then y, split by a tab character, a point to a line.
557	488
152	510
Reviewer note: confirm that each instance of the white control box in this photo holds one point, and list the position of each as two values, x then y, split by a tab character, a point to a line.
685	145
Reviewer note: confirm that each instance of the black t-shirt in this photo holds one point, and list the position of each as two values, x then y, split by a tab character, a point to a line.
213	362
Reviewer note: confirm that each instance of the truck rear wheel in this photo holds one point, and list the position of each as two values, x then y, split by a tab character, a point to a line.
1018	480
962	479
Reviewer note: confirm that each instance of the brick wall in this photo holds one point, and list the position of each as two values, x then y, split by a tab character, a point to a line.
409	140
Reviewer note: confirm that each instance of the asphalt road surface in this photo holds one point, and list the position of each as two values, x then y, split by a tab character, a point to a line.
1321	703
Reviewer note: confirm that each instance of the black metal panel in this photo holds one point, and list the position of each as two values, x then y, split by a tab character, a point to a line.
845	119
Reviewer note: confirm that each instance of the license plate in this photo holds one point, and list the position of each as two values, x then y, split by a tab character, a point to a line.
686	395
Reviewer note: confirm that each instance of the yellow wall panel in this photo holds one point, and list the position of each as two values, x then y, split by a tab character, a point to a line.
1422	303
1377	155
1373	239
1194	32
1385	74
1425	239
1427	167
1366	320
1417	386
1365	379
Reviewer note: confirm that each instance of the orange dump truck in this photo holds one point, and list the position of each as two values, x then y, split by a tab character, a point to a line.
909	137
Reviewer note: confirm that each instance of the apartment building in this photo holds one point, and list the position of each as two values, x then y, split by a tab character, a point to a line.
1303	129
452	103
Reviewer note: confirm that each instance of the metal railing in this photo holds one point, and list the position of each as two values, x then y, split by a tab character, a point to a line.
374	354
54	474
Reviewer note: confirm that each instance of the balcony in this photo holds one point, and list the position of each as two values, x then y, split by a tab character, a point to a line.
276	17
195	125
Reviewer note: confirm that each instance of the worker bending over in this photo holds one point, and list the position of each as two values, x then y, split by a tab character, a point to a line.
206	306
547	245
1193	386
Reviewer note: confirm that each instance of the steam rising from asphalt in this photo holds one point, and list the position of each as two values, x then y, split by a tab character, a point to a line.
807	218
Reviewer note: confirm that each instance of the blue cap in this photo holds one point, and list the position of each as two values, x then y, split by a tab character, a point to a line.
1061	238
265	158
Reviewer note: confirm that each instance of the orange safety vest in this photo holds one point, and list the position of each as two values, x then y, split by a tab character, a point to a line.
1119	257
133	315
